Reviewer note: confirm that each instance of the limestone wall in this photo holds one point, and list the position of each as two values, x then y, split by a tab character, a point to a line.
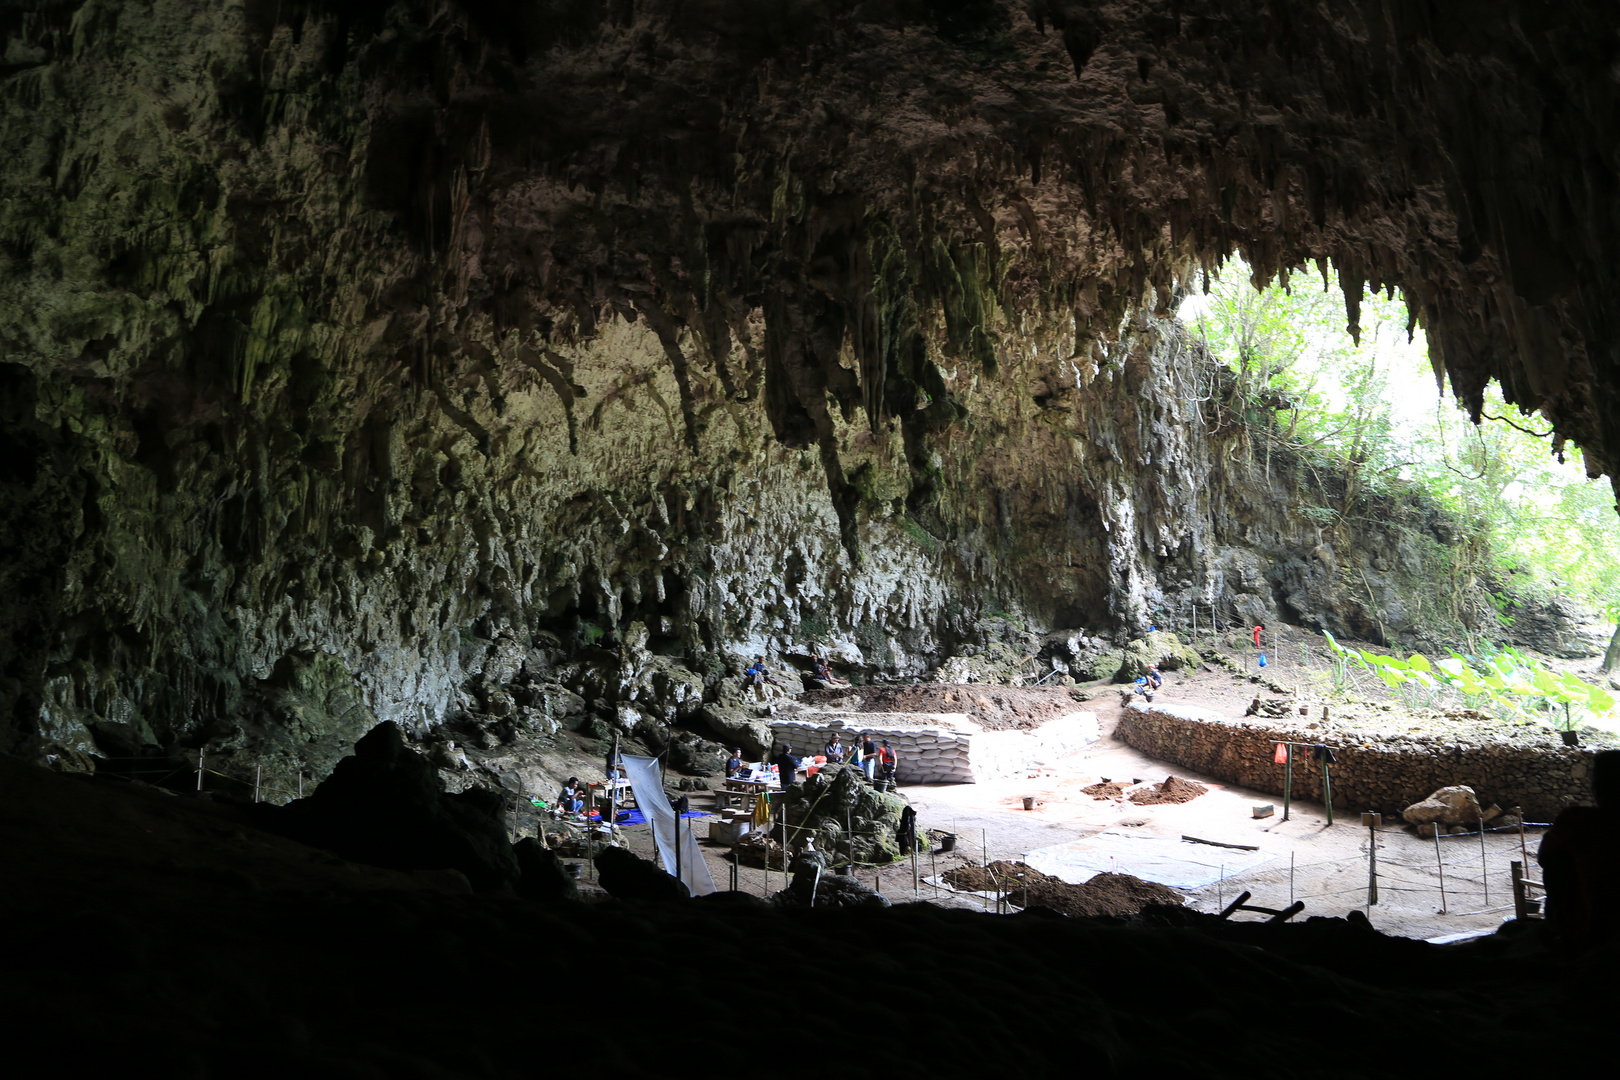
943	748
1374	772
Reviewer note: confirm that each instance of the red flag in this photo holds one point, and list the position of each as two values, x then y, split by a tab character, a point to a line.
1281	756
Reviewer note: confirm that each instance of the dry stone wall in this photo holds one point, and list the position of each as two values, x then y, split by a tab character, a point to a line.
1373	772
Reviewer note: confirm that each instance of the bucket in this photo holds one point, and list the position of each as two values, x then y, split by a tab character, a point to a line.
1571	738
1029	802
573	870
947	842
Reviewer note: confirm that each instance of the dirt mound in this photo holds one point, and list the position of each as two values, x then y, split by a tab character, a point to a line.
1172	790
998	708
1105	894
1108	789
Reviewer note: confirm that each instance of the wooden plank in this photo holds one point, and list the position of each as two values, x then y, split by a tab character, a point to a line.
1217	843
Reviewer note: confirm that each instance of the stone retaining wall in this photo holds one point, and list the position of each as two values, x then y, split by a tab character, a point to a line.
1374	772
944	748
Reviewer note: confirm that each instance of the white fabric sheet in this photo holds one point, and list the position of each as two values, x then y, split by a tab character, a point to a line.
654	806
1177	863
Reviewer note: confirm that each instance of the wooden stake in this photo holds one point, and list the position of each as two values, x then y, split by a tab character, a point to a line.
1518	812
1327	789
1372	860
1441	866
1484	868
984	843
1288	778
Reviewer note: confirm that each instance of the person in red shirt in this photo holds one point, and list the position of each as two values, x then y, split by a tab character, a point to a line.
1580	861
886	762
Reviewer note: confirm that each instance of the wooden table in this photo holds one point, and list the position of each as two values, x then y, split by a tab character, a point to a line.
607	793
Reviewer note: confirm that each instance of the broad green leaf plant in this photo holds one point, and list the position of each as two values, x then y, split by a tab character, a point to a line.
1510	683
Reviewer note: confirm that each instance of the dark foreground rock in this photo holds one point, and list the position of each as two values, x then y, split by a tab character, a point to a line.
172	930
387	806
630	877
542	875
828	891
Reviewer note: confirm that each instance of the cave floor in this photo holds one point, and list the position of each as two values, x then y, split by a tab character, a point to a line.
1324	865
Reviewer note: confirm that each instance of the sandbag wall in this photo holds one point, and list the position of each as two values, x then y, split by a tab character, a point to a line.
927	753
1375	772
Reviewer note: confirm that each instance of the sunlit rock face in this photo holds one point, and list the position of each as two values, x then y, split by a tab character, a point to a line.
358	358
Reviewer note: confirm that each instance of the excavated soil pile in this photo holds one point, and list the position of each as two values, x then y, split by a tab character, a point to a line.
998	708
1105	894
1108	789
1172	790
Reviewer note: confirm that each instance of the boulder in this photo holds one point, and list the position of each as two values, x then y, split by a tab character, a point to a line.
630	877
695	756
1456	805
831	891
734	727
386	805
840	794
1095	667
1159	647
542	875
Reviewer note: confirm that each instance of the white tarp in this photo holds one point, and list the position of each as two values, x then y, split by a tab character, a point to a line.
654	806
1164	859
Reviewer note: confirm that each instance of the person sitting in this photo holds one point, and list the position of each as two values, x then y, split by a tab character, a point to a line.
734	765
1580	862
823	672
571	800
763	672
834	751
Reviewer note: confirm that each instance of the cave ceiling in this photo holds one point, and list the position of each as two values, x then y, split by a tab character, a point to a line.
868	176
858	171
360	329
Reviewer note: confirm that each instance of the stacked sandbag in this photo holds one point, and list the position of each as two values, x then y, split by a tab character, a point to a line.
943	748
931	748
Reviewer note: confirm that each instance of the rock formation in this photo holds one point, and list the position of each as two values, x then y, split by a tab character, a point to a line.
367	362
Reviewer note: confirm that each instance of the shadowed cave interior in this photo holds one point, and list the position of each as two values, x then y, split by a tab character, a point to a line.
364	365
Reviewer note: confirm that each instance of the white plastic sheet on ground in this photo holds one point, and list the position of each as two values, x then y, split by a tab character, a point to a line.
654	806
1168	861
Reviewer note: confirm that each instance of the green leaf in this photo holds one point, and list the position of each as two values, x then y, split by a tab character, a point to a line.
1419	662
